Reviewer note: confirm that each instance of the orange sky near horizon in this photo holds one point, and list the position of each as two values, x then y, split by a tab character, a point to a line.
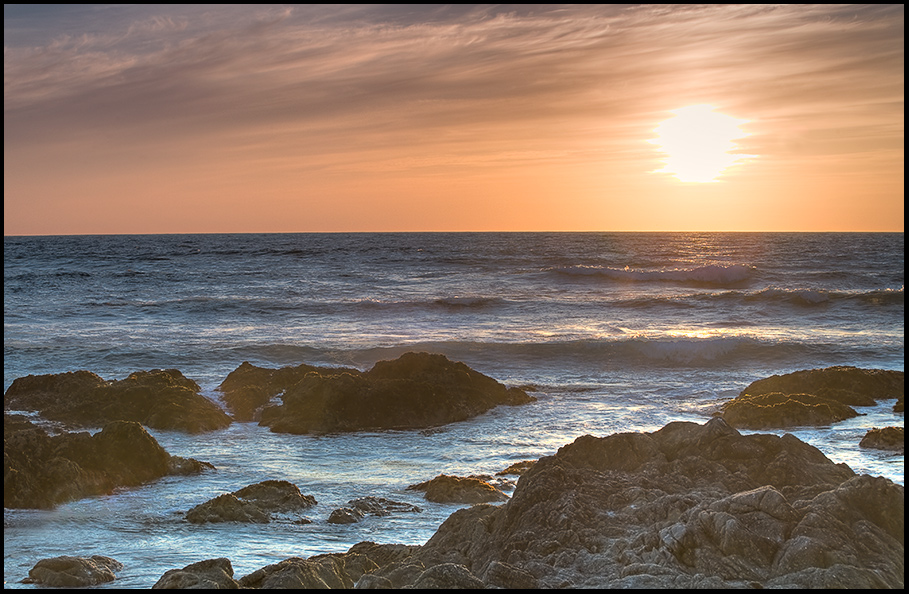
194	119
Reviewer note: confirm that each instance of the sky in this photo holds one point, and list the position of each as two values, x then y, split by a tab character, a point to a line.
268	118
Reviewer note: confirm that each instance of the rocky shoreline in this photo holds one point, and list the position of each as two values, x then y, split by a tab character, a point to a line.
688	506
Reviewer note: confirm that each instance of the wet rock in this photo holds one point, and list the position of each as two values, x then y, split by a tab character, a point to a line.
249	388
161	399
214	574
345	515
227	508
847	385
415	391
41	471
688	506
252	504
73	572
376	506
775	409
888	438
454	489
276	496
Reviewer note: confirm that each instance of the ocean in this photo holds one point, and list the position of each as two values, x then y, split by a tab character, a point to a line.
613	332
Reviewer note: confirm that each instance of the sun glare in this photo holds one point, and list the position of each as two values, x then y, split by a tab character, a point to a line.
698	142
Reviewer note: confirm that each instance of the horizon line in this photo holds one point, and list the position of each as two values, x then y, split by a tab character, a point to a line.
12	235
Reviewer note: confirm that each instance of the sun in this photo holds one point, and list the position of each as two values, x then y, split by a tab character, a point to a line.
697	142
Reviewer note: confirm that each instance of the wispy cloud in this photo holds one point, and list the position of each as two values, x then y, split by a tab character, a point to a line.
397	87
360	74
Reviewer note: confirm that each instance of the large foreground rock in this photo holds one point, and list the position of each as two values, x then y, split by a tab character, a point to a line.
811	397
252	504
160	399
41	471
687	506
415	391
73	572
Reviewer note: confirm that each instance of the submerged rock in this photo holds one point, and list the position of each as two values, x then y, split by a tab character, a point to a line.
41	471
415	391
211	574
73	572
252	504
357	509
455	489
686	506
811	397
160	399
888	438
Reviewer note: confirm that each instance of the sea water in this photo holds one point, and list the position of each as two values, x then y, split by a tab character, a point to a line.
612	332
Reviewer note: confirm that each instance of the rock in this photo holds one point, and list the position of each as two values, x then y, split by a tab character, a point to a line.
888	438
345	515
811	397
316	572
73	572
214	574
41	471
276	496
503	575
383	554
227	508
775	409
847	385
448	576
338	570
161	399
249	388
376	506
252	504
688	506
518	468
415	391
453	489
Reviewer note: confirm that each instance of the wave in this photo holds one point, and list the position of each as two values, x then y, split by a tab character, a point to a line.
453	304
807	297
713	274
811	297
713	353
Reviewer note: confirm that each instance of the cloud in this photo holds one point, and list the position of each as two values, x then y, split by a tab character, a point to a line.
322	82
